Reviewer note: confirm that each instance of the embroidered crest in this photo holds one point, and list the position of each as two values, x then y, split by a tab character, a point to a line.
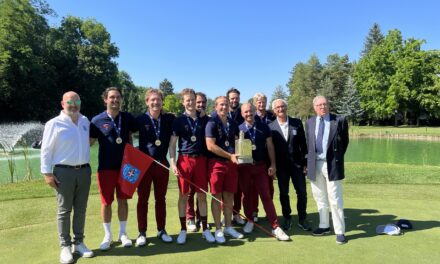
147	127
130	173
84	128
105	126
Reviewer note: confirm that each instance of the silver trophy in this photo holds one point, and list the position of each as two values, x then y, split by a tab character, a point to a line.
243	148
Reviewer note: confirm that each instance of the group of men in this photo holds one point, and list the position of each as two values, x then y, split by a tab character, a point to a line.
281	149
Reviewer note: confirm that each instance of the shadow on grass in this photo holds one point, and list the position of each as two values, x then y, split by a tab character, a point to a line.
365	221
155	246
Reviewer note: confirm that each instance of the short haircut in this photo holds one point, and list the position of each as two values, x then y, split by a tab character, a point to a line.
187	91
259	96
251	105
221	97
232	90
319	97
201	95
153	91
276	100
107	90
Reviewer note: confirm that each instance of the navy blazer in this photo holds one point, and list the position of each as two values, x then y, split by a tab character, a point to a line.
293	151
336	148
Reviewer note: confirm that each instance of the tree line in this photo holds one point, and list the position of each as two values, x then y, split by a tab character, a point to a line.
393	81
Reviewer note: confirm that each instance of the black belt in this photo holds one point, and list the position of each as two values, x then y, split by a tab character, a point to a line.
76	167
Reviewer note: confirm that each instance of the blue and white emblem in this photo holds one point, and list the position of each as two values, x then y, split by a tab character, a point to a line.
130	173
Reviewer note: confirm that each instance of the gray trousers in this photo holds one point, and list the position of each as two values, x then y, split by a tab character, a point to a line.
72	193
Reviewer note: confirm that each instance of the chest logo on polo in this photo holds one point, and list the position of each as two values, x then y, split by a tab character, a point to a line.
147	127
130	173
105	126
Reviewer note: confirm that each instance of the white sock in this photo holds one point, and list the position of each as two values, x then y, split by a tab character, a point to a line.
107	229
122	227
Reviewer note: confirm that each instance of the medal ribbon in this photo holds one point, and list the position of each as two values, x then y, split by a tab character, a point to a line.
156	129
253	133
193	129
117	127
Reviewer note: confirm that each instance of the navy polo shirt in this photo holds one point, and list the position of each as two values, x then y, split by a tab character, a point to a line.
262	132
147	135
267	118
102	127
216	129
236	116
183	128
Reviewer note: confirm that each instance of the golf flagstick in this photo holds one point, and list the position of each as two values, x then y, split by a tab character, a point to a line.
208	194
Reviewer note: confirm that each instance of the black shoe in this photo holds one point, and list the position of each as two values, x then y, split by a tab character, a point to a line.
304	226
287	224
321	231
340	239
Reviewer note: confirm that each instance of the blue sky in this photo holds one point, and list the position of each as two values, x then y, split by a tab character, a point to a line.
252	45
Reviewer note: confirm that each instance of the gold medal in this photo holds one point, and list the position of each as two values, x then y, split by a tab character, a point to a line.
254	147
119	140
227	143
157	142
193	138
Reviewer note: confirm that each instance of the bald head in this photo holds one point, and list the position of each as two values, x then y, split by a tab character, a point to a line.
248	112
71	104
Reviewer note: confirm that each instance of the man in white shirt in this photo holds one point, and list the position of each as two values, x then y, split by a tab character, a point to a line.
65	157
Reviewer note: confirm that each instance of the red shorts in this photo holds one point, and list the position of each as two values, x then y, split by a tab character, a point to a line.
194	170
223	176
107	183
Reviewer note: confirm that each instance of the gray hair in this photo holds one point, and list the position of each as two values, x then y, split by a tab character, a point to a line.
319	97
276	100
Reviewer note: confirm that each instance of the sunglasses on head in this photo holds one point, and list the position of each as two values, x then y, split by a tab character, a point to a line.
74	102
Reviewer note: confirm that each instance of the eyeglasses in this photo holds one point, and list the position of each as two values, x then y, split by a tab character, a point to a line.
76	102
322	104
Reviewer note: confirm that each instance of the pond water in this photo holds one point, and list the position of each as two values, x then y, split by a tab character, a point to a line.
395	151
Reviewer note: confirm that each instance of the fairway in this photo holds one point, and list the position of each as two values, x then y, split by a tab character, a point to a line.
28	232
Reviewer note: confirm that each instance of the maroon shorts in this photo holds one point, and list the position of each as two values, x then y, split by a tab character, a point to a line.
192	170
223	176
107	183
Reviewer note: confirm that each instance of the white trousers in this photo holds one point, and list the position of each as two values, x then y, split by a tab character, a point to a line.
328	195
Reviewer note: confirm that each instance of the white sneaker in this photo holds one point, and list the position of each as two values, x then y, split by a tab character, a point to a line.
208	236
82	250
125	241
191	226
238	220
280	235
106	243
66	255
229	231
248	227
181	239
164	236
141	240
219	236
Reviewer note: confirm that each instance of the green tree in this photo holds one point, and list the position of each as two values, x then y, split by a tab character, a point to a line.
173	104
374	37
133	95
334	77
397	76
166	87
350	105
278	93
304	85
84	58
27	80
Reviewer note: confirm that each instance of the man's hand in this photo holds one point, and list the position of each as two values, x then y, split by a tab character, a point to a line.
175	170
234	158
51	180
272	172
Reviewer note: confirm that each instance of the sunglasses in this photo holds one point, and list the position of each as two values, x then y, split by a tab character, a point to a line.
72	102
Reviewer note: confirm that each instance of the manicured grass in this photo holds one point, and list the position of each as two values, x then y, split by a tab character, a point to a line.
401	130
28	232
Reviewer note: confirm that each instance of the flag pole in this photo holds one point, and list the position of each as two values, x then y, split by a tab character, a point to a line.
221	202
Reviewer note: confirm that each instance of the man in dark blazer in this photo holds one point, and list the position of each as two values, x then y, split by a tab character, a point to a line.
327	141
291	149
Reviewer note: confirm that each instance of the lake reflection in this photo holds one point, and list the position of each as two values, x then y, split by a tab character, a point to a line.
394	151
